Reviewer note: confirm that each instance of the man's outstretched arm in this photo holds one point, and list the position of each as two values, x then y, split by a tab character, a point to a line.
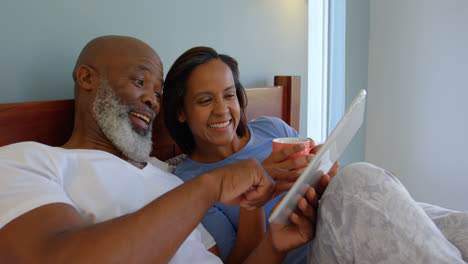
55	233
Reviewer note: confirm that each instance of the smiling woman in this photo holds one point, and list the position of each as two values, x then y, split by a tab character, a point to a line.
212	112
205	113
209	82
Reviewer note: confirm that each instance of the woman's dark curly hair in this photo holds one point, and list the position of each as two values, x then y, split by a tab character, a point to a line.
175	87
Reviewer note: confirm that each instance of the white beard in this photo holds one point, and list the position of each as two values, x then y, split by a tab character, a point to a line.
112	117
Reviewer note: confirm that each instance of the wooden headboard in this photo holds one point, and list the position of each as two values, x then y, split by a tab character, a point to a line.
51	122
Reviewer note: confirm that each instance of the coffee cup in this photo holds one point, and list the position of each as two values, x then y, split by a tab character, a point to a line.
280	143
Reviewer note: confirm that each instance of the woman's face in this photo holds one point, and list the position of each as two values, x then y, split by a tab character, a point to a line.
212	109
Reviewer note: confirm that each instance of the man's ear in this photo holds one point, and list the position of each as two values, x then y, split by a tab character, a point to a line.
181	116
87	78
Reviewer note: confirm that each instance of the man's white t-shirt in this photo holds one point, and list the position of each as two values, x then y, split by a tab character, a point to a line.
98	184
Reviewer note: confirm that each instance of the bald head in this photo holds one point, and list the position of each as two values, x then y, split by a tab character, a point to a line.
102	52
126	64
118	81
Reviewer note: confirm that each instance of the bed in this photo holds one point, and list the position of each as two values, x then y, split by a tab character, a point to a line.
51	122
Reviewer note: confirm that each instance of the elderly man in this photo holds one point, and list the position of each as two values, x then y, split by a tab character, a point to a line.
98	199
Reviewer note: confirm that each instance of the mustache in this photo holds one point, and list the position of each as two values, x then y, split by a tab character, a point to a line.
147	110
129	109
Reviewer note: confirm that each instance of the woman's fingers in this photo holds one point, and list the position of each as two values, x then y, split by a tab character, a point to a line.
322	185
282	175
334	170
316	149
283	154
309	203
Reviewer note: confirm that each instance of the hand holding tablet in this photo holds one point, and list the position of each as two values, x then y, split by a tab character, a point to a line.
324	159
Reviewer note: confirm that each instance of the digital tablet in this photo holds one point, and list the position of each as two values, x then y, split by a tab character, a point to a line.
324	159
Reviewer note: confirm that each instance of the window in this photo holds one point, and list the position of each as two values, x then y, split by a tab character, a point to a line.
318	70
336	63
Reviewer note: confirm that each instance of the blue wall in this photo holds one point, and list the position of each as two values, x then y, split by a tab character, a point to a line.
349	47
42	39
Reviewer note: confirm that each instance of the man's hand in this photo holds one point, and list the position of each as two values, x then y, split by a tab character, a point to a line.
244	183
284	179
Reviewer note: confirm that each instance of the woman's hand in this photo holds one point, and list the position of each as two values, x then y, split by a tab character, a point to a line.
279	239
334	169
325	180
279	159
301	227
281	169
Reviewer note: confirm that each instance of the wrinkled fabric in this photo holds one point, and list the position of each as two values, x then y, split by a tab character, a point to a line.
453	224
367	216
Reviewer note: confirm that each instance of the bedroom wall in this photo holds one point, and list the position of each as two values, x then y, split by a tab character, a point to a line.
416	116
42	39
356	52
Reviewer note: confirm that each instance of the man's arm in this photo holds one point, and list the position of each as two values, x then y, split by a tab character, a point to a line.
55	233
